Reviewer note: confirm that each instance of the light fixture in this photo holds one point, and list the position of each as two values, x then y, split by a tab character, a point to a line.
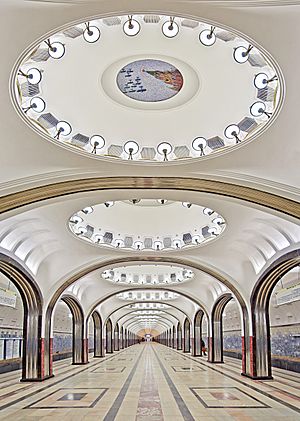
76	219
138	245
131	27
109	203
97	142
131	148
98	238
241	54
33	75
218	220
158	245
162	201
80	230
196	239
207	37
37	104
232	131
164	149
262	80
170	28
135	201
208	211
187	204
87	210
119	243
91	33
258	109
212	230
177	244
56	49
199	144
63	128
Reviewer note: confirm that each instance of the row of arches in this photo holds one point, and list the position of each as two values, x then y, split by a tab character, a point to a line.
37	362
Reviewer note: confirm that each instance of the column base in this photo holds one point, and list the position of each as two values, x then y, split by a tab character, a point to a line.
81	363
257	377
37	380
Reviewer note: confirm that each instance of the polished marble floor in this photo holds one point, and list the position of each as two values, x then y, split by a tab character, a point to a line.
151	382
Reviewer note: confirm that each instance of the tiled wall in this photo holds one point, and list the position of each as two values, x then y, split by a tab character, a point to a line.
62	342
285	341
232	340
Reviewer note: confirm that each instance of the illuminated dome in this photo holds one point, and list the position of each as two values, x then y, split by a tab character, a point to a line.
125	224
148	275
147	295
169	104
147	306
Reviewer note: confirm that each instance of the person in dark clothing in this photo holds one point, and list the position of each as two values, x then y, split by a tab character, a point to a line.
203	347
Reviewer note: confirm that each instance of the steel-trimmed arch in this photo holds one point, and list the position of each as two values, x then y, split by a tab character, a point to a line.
98	328
33	343
197	348
215	351
179	336
152	259
108	336
116	337
244	193
171	316
165	325
80	344
139	302
260	349
187	334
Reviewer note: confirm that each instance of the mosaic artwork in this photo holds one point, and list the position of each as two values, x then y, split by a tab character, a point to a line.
149	80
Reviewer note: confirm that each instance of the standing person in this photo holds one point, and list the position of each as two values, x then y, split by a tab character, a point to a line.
203	347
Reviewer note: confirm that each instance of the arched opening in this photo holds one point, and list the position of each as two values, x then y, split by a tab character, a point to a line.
11	326
215	354
187	336
98	341
125	338
122	337
232	330
284	315
32	343
198	346
179	336
116	338
173	337
62	331
260	350
155	259
79	342
108	337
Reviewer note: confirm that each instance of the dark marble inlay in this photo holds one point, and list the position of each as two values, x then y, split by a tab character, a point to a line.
219	394
72	397
224	396
186	369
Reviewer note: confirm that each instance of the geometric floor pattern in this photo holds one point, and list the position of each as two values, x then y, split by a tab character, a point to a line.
150	382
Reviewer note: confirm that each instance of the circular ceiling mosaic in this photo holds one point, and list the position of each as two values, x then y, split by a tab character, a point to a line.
125	225
148	275
149	80
147	88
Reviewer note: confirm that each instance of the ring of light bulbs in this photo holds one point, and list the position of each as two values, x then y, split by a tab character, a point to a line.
99	236
147	295
174	275
29	79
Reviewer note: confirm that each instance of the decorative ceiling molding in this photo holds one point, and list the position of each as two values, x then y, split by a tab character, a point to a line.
34	195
